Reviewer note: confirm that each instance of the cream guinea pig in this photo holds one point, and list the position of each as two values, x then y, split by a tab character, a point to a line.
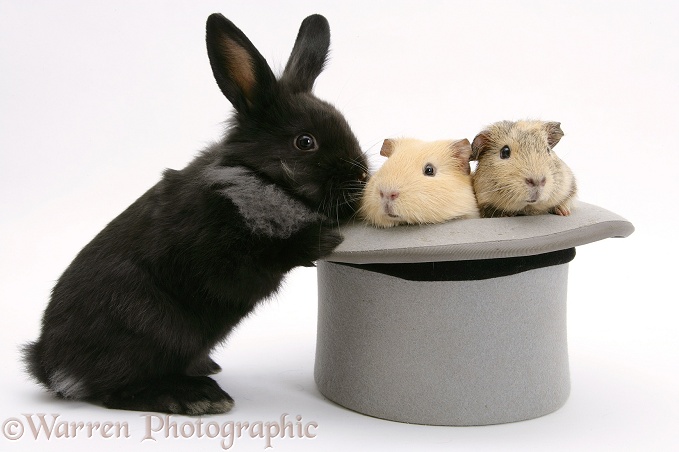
518	172
421	182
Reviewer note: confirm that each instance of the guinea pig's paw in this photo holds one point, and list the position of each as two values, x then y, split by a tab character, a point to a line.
175	394
562	210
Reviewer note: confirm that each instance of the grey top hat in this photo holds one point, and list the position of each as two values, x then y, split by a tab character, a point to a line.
460	323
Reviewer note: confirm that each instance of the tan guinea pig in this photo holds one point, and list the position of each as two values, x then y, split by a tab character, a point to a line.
518	172
421	182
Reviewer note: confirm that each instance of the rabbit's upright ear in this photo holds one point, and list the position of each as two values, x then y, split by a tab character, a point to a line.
241	72
309	54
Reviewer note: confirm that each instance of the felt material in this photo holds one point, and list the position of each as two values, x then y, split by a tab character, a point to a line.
483	238
468	270
443	352
460	323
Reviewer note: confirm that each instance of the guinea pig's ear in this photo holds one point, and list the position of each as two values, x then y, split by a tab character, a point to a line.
480	144
554	133
388	147
462	151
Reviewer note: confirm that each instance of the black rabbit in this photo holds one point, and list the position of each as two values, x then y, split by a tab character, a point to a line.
132	320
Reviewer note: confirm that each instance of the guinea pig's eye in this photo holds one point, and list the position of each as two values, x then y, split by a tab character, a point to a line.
429	170
505	152
306	142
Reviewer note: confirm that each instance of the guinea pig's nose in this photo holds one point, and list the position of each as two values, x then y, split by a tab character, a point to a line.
534	182
391	195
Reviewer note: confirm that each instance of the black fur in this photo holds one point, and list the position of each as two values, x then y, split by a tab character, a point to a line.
132	320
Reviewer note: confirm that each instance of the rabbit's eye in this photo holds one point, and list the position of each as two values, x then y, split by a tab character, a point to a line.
505	152
429	170
306	142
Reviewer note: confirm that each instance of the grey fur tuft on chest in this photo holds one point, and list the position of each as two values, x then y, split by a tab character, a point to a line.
267	209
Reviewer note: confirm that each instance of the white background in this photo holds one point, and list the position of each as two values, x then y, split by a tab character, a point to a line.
97	98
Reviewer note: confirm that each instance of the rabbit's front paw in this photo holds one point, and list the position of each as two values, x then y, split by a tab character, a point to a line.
329	239
315	242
